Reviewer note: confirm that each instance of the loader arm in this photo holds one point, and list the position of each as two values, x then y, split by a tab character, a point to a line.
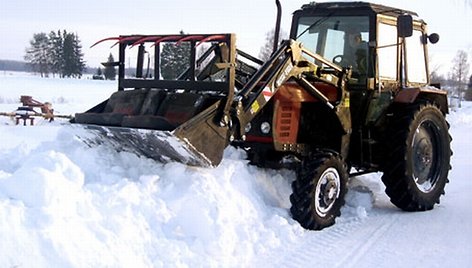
295	63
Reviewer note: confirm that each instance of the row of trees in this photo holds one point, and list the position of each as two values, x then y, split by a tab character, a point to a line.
56	53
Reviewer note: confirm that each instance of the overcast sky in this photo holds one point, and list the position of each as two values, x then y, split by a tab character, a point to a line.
249	19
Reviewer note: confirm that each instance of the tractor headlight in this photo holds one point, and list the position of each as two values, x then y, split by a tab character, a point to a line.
248	127
265	127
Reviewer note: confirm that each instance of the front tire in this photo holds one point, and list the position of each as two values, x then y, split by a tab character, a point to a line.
418	163
318	193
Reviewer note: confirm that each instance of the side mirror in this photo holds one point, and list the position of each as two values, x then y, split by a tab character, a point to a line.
405	26
433	38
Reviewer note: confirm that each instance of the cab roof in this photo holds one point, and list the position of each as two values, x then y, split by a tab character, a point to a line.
330	7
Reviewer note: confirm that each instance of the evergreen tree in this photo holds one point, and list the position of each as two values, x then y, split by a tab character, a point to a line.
79	64
55	52
110	71
468	92
98	75
37	55
68	56
175	59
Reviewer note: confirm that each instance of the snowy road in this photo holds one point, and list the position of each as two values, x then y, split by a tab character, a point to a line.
386	238
389	237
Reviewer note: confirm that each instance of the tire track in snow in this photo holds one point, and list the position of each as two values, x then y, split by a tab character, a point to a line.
382	227
341	245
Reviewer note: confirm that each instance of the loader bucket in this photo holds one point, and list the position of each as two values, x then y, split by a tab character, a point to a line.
165	126
198	142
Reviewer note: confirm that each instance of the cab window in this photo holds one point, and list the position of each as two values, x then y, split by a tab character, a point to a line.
340	39
387	51
416	58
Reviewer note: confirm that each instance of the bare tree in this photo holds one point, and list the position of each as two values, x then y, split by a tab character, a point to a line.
435	76
266	49
459	72
37	55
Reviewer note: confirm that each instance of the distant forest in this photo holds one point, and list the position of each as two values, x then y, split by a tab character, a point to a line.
21	66
12	65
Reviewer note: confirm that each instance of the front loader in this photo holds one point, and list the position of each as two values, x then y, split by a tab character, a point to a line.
347	94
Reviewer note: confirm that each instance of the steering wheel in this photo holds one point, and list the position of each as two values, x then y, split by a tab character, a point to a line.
338	59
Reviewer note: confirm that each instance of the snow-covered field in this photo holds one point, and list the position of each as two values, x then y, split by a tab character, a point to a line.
63	204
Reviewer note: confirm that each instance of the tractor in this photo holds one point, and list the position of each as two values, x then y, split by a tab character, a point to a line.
347	94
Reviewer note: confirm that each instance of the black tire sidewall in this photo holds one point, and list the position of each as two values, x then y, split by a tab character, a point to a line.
308	175
398	168
431	114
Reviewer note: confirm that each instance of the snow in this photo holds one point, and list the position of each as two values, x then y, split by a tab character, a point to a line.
64	204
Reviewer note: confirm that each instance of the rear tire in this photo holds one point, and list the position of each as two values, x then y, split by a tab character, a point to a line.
418	163
319	190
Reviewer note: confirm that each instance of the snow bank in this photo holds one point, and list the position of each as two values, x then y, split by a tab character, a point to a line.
70	201
121	210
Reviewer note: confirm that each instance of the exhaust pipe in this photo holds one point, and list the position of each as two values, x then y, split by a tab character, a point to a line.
277	26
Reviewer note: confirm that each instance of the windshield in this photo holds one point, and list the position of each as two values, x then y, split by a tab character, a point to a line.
341	39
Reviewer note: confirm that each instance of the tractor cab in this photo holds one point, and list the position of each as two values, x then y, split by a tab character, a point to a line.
383	46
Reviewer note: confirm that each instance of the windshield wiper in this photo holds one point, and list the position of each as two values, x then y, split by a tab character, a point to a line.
316	23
